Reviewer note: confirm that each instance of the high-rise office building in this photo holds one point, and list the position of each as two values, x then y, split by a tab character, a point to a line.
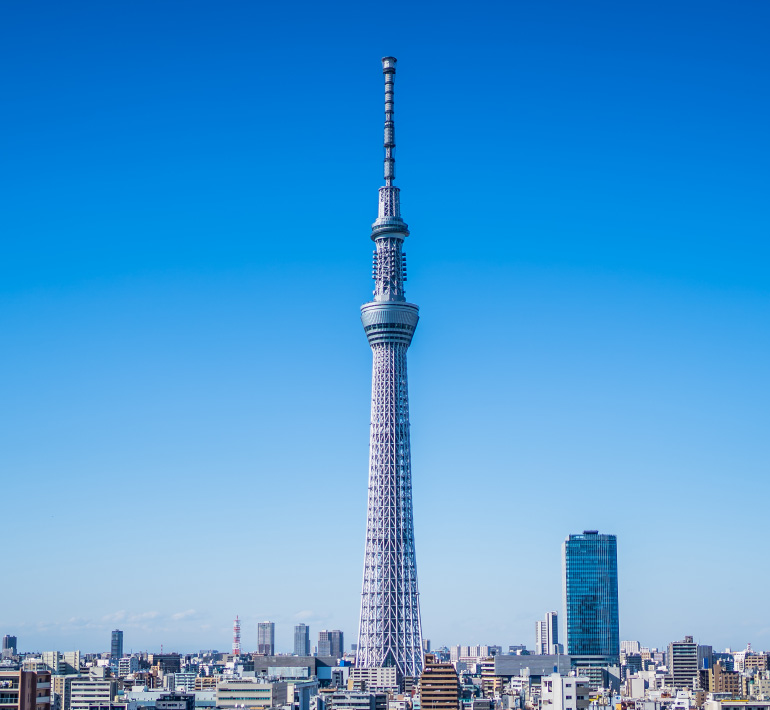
591	601
389	631
682	661
301	640
116	647
331	643
10	644
547	635
266	638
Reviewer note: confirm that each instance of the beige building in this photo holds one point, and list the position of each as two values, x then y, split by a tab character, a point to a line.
206	682
756	662
439	686
723	681
250	693
61	685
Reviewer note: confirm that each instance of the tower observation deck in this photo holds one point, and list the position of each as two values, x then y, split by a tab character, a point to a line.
389	631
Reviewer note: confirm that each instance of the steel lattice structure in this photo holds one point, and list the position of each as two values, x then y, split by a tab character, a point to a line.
389	630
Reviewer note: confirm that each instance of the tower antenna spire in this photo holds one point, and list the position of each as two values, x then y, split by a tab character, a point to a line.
389	210
389	70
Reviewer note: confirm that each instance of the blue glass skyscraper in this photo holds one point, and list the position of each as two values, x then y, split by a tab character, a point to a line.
591	597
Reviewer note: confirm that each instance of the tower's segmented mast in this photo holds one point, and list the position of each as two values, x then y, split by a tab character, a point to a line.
389	631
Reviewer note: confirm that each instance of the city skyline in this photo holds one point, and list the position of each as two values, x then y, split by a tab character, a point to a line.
589	189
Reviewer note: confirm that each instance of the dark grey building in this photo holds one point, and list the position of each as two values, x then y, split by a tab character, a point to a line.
331	643
510	665
266	638
116	647
175	701
10	644
301	640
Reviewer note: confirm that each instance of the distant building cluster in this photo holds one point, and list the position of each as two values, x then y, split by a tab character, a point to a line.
587	667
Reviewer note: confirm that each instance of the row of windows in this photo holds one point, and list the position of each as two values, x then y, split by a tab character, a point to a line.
388	326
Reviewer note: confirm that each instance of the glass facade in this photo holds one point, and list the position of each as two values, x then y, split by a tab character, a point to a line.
591	594
116	646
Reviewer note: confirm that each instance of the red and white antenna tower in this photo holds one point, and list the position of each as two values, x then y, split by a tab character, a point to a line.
237	637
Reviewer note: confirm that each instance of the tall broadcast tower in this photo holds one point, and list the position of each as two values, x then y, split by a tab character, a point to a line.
389	632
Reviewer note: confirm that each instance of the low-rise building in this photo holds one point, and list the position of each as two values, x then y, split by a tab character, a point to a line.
558	692
250	693
353	700
127	666
88	691
373	680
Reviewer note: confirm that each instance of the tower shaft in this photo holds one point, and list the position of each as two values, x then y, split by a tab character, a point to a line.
389	630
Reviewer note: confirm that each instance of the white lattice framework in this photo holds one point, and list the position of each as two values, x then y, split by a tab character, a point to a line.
389	631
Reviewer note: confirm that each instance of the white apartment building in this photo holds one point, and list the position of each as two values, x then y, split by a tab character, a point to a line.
374	679
85	692
127	666
558	692
185	682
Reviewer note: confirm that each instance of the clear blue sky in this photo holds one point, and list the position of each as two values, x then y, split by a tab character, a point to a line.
187	193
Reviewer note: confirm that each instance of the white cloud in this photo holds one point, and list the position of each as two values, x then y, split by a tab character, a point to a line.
189	614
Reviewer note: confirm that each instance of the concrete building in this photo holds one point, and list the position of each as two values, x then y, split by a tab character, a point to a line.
266	638
353	700
175	701
558	692
127	665
85	691
756	662
721	680
294	666
25	690
547	634
116	645
736	705
184	682
533	666
331	643
759	687
439	685
301	640
682	659
61	685
630	647
250	693
67	663
374	680
303	693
